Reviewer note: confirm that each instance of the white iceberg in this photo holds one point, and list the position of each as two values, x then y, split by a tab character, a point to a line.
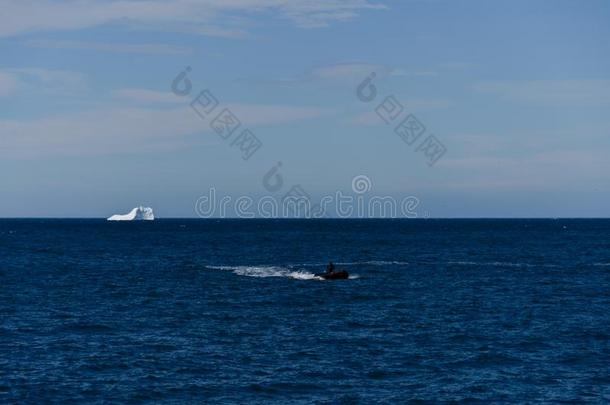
136	214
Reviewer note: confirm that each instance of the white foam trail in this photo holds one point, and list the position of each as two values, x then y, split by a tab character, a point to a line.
259	271
267	271
300	275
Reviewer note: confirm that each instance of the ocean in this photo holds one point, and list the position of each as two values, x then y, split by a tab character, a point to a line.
229	311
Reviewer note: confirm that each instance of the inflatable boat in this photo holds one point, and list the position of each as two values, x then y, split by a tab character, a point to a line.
334	275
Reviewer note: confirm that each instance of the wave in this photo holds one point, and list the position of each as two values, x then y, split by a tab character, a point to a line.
376	263
368	262
601	264
500	264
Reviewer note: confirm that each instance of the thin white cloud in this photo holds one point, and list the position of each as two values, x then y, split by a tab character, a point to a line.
541	159
129	130
548	169
347	71
575	91
153	49
351	73
411	106
51	76
319	13
414	73
14	80
205	16
486	144
147	96
8	84
256	114
339	73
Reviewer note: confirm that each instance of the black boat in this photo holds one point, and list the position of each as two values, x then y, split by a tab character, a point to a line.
334	275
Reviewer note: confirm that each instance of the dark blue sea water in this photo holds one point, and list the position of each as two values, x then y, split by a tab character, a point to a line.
207	311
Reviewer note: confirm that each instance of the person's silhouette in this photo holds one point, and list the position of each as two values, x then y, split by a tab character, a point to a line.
330	268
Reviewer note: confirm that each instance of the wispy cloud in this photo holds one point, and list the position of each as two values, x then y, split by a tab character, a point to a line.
153	49
319	13
574	91
129	130
410	104
44	80
414	73
208	17
8	84
544	170
147	96
51	76
350	73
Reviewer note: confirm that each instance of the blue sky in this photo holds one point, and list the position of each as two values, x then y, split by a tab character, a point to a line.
518	93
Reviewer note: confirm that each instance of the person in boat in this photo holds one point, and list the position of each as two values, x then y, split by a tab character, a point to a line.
330	268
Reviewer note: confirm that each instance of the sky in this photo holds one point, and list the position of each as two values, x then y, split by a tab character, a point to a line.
95	119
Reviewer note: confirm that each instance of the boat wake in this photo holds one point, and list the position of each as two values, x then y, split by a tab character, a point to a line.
268	271
273	271
306	271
